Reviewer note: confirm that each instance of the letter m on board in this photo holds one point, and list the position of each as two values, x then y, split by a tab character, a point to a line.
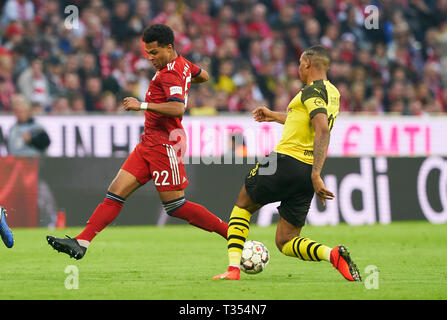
171	66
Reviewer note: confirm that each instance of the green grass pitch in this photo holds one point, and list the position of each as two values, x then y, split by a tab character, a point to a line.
178	262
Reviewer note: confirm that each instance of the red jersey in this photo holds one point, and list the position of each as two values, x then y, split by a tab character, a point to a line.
170	83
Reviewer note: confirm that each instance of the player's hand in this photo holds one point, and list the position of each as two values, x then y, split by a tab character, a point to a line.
321	191
131	103
263	114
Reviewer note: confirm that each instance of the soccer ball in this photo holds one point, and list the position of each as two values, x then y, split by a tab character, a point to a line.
255	257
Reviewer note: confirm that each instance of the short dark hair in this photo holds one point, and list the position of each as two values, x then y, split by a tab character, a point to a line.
319	54
160	33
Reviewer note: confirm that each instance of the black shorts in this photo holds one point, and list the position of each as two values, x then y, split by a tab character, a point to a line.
290	183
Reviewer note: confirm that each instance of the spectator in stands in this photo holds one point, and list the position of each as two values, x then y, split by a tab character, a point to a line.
372	106
130	89
61	106
108	103
378	93
312	31
6	81
55	75
5	95
443	100
224	82
411	42
144	73
77	104
169	9
27	138
14	36
295	42
93	91
204	102
15	10
221	98
330	36
358	96
258	26
286	17
72	85
398	107
33	83
442	41
88	67
120	18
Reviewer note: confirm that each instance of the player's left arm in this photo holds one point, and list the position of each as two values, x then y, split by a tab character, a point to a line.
321	144
201	76
169	109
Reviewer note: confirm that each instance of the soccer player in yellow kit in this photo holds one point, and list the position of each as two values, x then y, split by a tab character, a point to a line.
300	156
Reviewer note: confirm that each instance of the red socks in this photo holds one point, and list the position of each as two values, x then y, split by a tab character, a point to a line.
104	214
197	215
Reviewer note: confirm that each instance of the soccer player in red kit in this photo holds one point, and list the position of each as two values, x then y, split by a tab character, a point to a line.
158	156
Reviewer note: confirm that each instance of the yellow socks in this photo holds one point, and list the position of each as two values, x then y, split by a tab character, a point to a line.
237	234
302	248
306	249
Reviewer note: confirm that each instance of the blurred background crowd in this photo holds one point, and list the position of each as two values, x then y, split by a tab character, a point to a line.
250	48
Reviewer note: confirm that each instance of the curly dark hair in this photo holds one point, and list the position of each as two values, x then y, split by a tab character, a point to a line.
160	33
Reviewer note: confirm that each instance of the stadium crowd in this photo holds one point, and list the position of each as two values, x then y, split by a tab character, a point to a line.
251	48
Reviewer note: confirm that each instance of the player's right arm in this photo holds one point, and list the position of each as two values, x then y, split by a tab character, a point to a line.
169	109
263	114
321	143
315	99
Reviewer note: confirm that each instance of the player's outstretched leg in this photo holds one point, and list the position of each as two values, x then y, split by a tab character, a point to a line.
309	250
233	273
104	214
290	243
5	231
196	215
69	246
237	234
341	260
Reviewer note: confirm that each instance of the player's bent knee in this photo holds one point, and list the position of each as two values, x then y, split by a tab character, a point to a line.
118	188
122	190
124	184
244	202
118	192
249	207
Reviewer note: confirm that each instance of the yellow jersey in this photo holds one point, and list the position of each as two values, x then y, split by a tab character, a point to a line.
297	140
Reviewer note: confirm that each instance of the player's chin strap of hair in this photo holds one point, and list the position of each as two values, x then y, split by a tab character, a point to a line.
143	106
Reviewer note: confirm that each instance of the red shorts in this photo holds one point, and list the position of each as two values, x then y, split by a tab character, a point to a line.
160	163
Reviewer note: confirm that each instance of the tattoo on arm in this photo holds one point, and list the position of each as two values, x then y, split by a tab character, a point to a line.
321	144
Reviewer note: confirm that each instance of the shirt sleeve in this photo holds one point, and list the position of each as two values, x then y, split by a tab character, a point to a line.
314	101
173	86
195	70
